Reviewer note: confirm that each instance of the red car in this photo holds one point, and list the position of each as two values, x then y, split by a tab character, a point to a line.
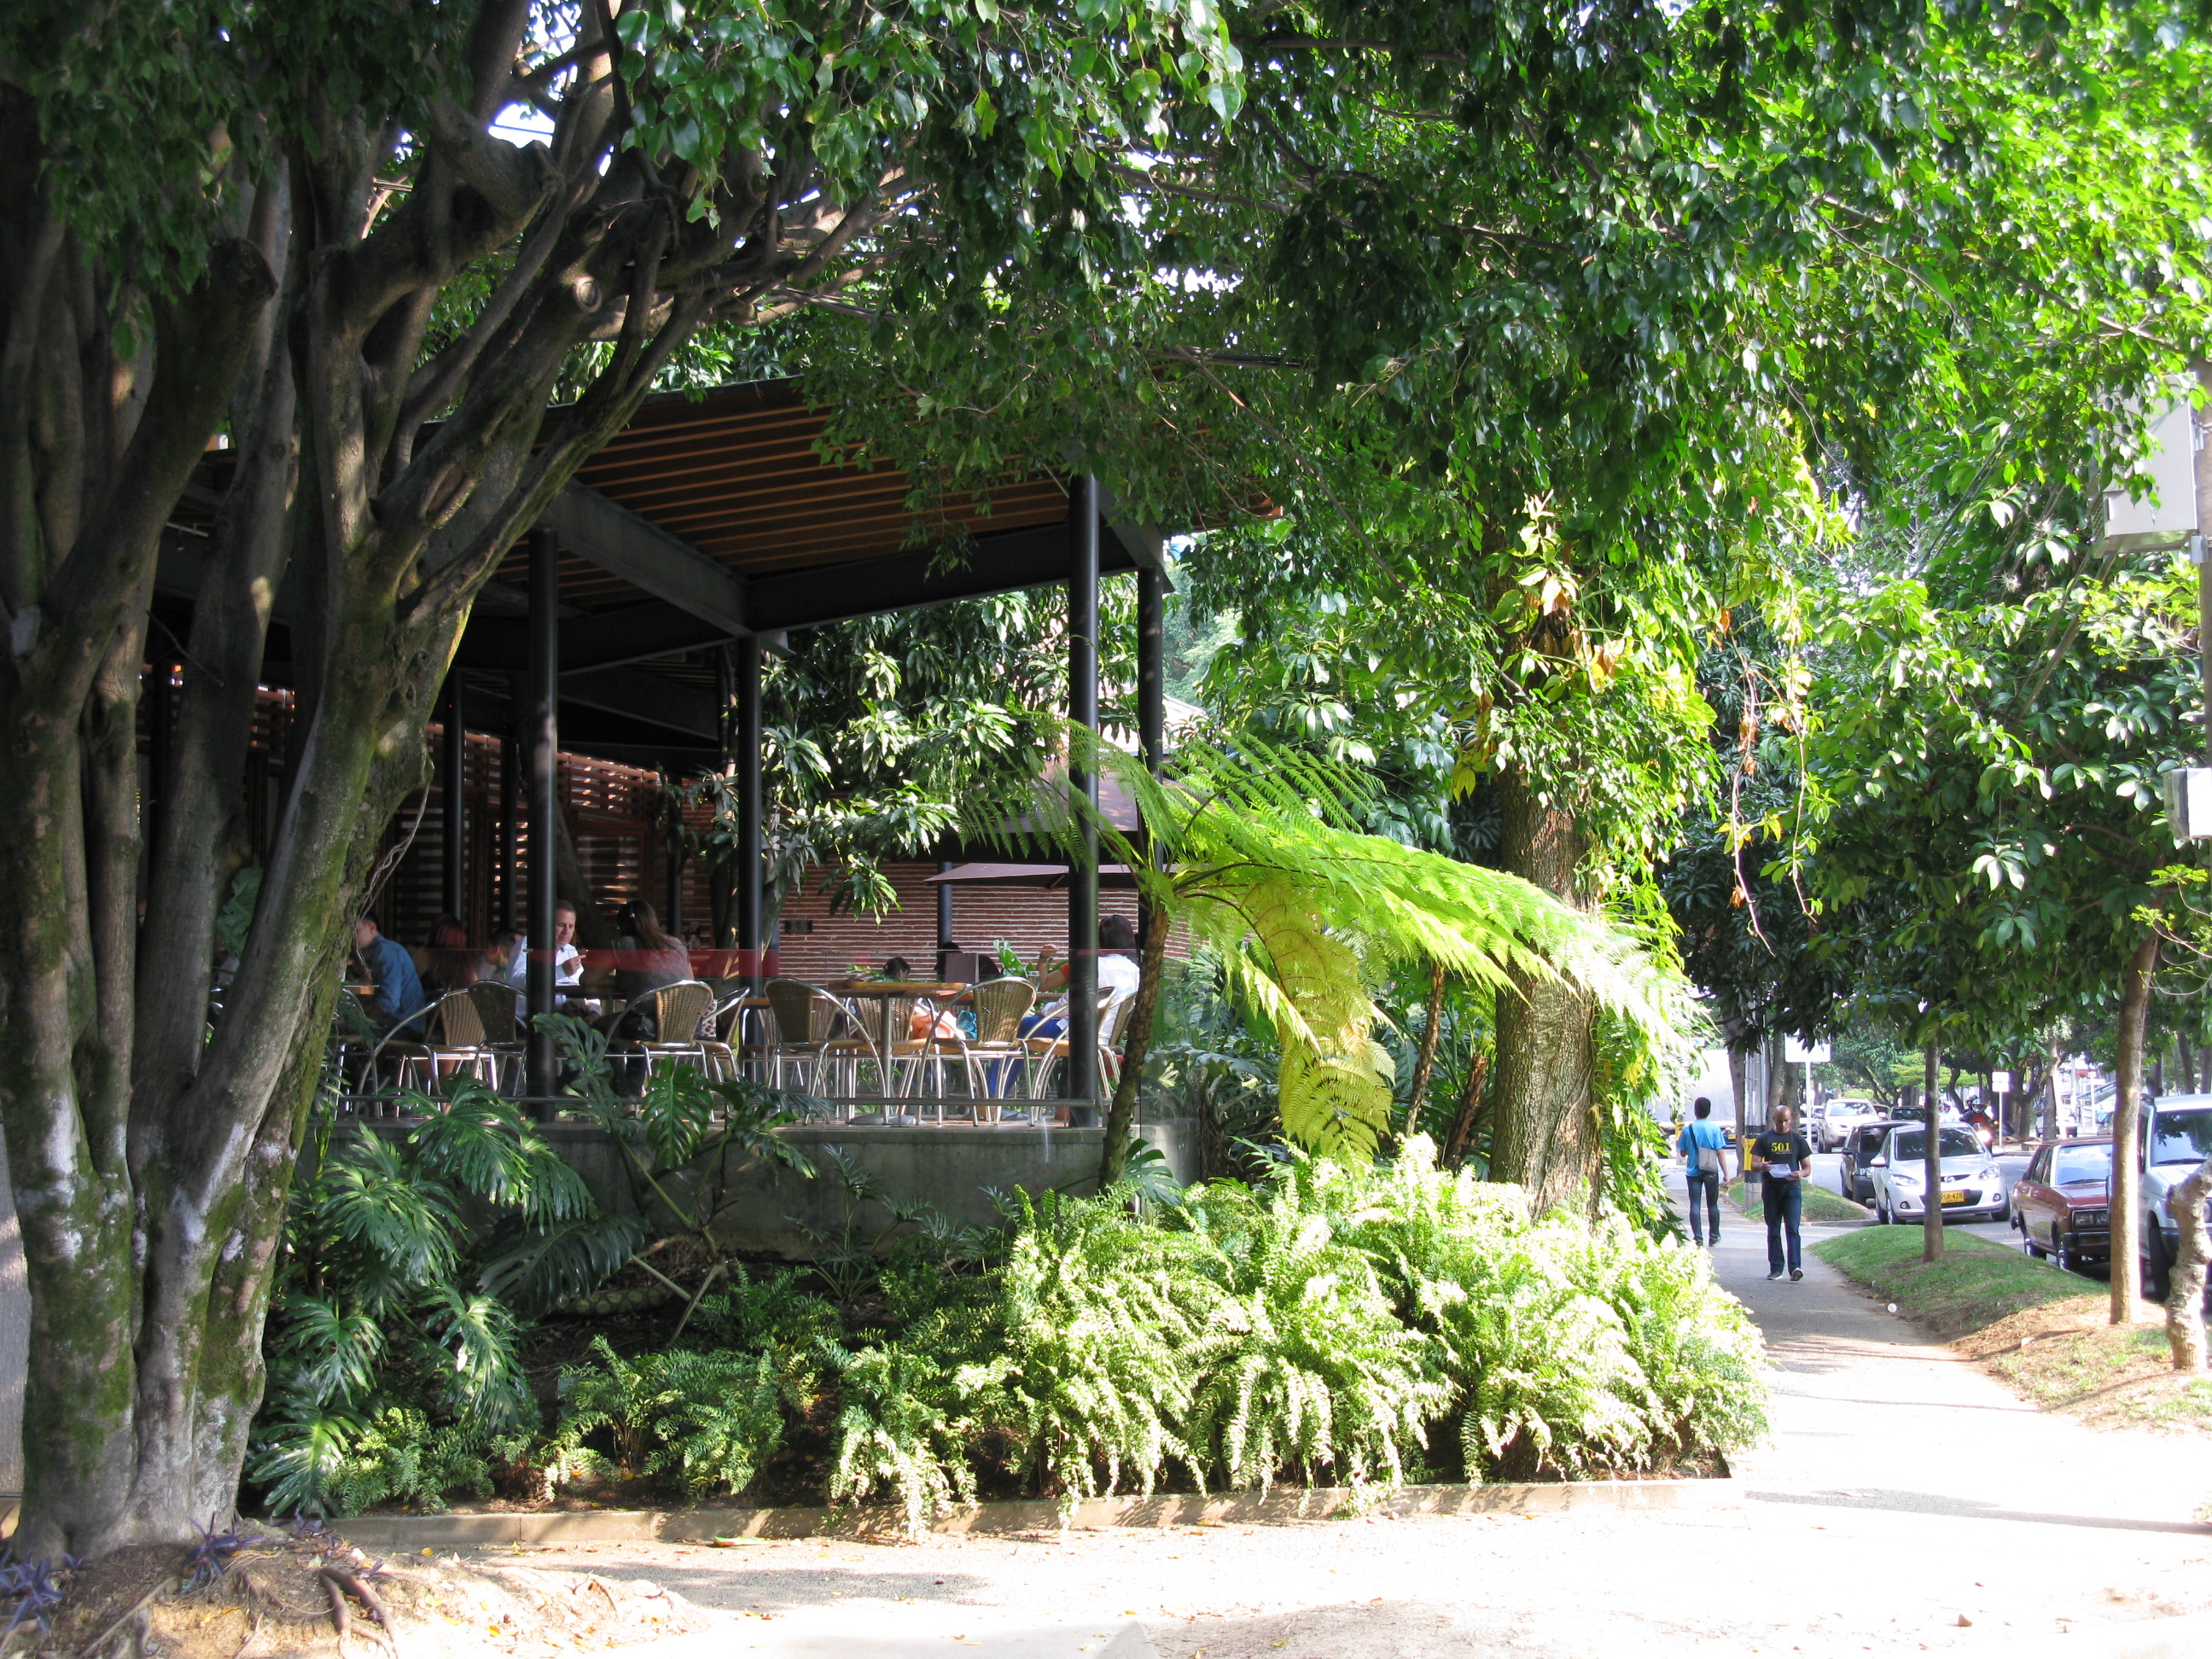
2061	1206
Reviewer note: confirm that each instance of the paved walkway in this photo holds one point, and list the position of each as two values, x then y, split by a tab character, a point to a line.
1907	1503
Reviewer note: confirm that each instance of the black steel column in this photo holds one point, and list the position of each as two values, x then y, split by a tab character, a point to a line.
1083	871
748	757
452	786
539	723
945	939
1152	673
510	826
1152	694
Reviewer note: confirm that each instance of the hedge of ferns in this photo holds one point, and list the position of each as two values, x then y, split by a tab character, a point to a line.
1340	1325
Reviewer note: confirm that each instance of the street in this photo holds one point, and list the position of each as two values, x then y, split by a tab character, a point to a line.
1828	1171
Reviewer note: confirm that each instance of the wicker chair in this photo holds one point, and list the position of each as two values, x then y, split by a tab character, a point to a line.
677	1011
722	1036
912	1057
819	1032
1046	1052
494	1004
996	1055
455	1045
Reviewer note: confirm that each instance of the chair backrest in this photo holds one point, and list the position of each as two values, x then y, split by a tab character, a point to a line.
494	1004
679	1009
458	1024
1000	1005
1112	1015
804	1013
895	1024
724	1021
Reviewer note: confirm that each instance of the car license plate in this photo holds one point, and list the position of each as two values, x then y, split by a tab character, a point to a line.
1954	1198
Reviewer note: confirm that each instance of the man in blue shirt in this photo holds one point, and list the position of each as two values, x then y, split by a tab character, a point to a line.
399	996
1704	1147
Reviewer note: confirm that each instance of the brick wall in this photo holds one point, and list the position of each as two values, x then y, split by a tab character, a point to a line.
1030	919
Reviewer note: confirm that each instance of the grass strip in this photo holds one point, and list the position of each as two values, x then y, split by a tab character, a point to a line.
2043	1331
1974	1283
1820	1204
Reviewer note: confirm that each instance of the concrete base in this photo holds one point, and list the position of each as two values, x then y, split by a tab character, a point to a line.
955	1168
411	1533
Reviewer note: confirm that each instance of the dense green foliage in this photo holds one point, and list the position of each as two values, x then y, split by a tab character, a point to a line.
1335	1326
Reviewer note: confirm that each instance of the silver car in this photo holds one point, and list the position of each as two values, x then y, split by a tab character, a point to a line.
1973	1187
2177	1137
1833	1121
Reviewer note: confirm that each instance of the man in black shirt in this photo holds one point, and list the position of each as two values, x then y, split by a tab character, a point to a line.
1784	1159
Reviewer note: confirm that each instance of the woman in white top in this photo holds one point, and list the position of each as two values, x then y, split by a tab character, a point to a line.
1118	976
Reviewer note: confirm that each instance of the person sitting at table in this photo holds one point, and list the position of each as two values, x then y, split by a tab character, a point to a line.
448	964
898	970
646	959
567	967
398	999
1118	979
1118	973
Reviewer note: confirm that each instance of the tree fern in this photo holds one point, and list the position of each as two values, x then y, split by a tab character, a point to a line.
1256	851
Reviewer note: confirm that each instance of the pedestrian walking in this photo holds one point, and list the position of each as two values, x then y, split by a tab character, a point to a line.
1784	1158
1704	1146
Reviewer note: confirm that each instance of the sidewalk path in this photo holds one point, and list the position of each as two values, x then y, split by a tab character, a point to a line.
1907	1503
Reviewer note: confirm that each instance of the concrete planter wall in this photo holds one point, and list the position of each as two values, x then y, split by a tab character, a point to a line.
954	1169
409	1533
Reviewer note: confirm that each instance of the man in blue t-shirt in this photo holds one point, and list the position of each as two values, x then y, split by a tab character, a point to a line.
399	996
1704	1146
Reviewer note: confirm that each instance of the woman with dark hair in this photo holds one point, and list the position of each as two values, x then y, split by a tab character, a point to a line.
645	957
448	964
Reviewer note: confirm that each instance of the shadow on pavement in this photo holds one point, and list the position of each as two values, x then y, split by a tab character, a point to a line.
1930	1503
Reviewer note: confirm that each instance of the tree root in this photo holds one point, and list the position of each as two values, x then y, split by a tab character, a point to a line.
341	1615
341	1583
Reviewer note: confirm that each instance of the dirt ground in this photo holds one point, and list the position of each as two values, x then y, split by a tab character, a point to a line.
2068	1357
278	1596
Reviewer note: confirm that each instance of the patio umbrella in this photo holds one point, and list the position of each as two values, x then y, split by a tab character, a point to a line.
1029	875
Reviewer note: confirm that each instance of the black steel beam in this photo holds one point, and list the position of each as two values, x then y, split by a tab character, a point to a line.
644	697
647	557
1003	563
608	640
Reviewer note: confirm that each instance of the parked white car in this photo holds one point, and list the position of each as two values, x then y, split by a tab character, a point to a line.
1974	1186
1833	1121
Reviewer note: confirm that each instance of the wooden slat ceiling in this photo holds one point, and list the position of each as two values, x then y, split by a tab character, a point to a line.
736	475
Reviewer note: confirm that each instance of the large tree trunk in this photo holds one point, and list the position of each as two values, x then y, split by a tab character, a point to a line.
1931	1165
1425	1065
151	1152
2184	1296
2127	1130
1136	1046
1543	1122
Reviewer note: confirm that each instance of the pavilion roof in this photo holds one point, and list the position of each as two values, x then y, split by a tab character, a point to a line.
710	518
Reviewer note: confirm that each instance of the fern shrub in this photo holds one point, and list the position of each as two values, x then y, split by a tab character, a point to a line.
1101	1317
1307	1372
709	1420
1329	1326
